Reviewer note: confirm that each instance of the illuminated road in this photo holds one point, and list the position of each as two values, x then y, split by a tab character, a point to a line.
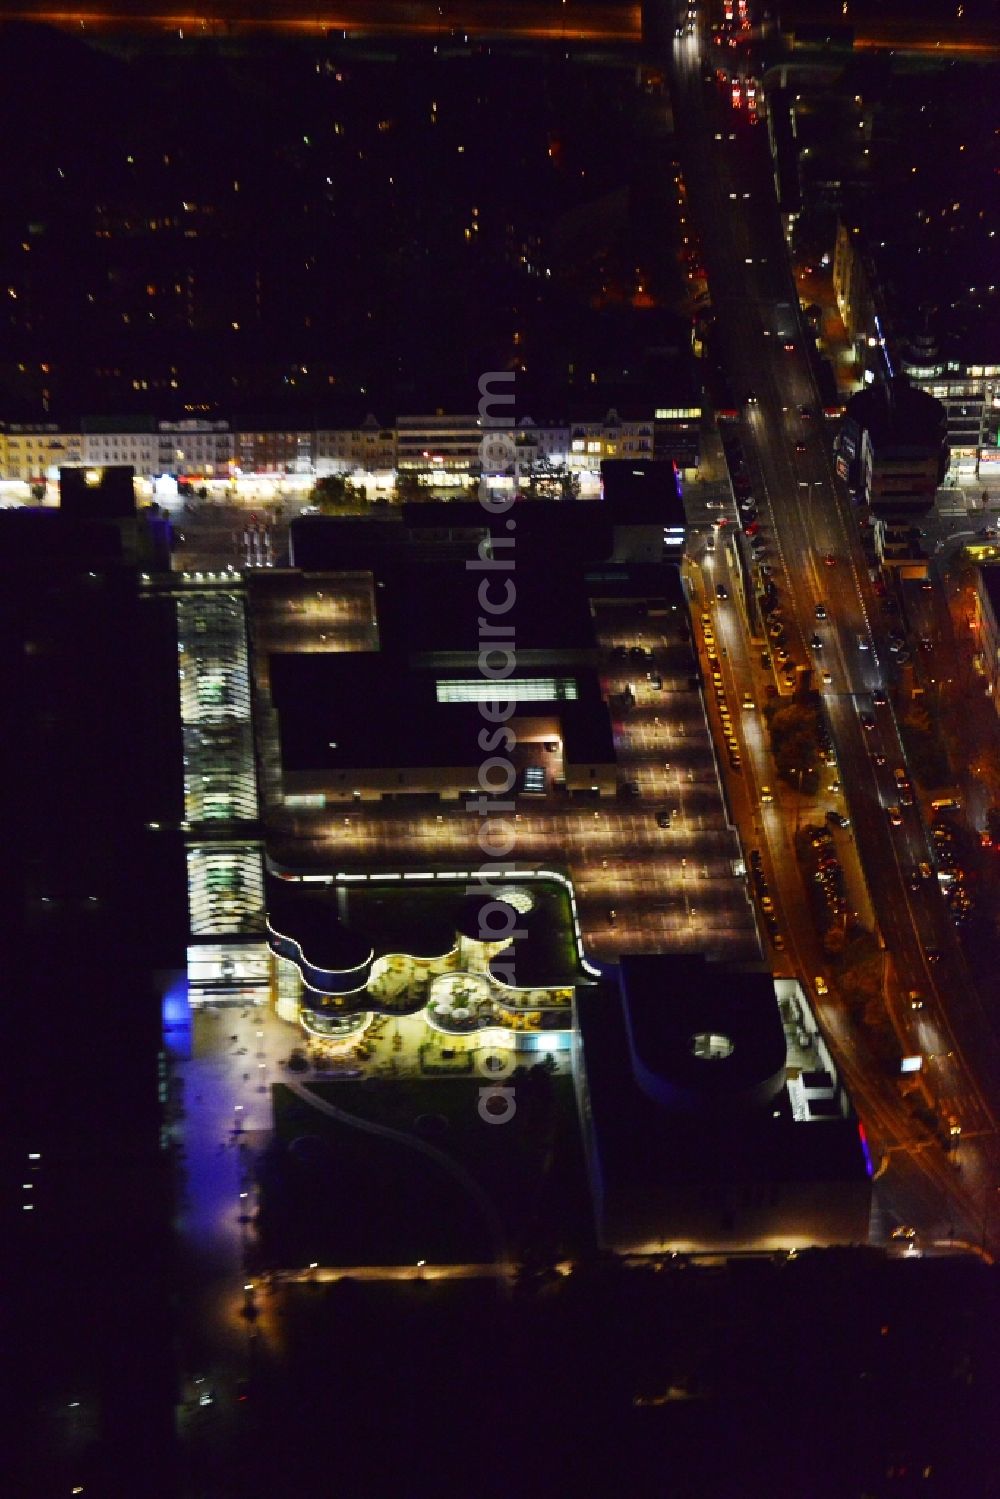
570	20
803	521
577	21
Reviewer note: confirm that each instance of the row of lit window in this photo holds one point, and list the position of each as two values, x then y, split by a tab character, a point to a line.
522	690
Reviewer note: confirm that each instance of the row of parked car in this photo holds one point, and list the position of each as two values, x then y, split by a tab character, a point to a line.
829	873
950	872
718	687
764	899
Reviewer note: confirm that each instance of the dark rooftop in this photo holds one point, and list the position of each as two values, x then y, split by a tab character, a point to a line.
434	609
899	414
349	711
709	1145
642	491
667	1006
308	914
571	532
50	534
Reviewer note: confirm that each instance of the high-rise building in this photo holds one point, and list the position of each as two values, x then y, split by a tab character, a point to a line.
93	924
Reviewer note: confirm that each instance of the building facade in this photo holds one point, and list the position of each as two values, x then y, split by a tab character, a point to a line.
970	395
438	449
200	449
263	450
344	450
32	453
985	622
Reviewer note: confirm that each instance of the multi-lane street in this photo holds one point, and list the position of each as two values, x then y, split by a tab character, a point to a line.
812	547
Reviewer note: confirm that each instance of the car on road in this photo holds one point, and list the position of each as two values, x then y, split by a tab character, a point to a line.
721	591
800	447
663	819
766	794
838	820
821	611
756	860
805	413
751	398
895	815
821	985
924	870
932	954
765	659
879	698
863	643
867	721
766	903
830	560
789	348
916	999
752	528
816	643
777	941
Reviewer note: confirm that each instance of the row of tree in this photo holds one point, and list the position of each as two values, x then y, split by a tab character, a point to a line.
794	743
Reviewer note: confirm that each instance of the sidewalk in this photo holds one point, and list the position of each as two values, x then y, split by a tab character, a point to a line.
227	1118
816	288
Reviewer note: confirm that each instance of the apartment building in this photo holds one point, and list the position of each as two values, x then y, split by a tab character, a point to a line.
343	450
33	453
263	449
197	448
986	624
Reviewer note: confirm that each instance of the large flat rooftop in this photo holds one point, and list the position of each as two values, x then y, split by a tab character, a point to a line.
342	711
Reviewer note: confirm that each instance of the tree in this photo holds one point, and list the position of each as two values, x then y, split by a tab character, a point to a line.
993	823
331	493
408	487
794	744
